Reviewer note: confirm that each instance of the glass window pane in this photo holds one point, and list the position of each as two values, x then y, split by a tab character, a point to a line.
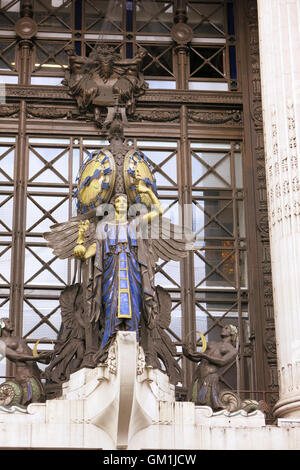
238	170
206	19
208	86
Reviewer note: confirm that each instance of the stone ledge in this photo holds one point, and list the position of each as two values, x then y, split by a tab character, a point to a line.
288	422
125	405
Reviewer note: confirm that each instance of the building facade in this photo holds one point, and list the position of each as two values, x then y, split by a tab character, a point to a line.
217	94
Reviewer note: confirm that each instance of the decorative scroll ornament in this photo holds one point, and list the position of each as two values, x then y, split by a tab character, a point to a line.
104	79
96	180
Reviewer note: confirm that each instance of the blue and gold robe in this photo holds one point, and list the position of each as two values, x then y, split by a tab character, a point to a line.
122	281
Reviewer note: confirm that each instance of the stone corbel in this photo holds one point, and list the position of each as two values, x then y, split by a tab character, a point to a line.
123	404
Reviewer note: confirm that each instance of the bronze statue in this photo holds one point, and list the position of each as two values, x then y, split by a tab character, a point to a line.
158	347
103	78
206	388
117	238
69	349
119	233
26	387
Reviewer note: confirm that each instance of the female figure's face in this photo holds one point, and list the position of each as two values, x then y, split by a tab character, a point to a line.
121	204
226	331
8	325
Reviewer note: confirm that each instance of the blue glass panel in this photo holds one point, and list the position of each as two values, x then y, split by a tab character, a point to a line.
123	256
123	265
78	14
124	304
78	47
230	19
123	274
232	59
129	50
123	284
129	28
129	16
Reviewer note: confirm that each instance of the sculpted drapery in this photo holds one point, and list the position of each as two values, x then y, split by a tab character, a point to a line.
117	252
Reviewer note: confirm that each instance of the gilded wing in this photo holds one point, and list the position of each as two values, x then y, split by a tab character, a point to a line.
63	237
170	241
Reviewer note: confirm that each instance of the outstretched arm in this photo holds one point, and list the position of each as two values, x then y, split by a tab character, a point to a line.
193	356
15	356
229	356
157	210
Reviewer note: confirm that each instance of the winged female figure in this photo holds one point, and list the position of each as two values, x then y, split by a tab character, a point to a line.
118	253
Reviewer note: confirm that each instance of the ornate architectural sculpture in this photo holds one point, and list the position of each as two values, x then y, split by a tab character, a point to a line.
69	350
26	386
206	388
116	239
103	78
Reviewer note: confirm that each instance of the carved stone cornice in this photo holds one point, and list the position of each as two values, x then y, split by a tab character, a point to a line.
37	92
191	97
60	93
225	118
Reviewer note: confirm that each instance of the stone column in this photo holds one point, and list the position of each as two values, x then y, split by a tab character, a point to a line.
279	36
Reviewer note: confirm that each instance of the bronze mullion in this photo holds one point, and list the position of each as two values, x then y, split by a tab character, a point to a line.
187	265
180	51
124	32
227	60
182	67
240	363
255	201
19	229
70	178
24	61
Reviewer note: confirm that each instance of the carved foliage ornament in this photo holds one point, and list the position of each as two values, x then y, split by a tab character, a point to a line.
232	117
43	112
8	110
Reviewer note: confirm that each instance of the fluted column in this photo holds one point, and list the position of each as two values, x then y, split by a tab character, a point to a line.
279	35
